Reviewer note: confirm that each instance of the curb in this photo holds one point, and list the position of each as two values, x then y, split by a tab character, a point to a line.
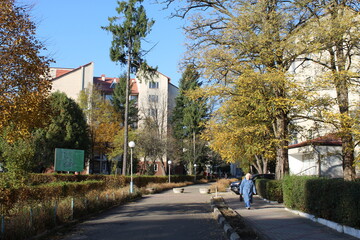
333	225
330	224
229	231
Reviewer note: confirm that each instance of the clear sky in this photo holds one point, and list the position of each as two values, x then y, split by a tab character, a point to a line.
71	31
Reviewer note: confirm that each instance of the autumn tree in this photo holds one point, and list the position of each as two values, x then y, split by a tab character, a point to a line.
231	37
151	144
24	84
104	121
126	47
241	129
334	38
153	132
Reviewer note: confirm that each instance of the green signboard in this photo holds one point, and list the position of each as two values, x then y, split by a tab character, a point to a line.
69	160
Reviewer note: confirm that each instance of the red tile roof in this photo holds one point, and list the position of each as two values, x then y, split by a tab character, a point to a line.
327	140
134	87
104	83
60	72
63	71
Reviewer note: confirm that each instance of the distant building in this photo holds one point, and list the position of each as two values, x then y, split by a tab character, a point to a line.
155	99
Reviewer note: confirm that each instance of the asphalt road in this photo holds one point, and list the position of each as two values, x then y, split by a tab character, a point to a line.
166	215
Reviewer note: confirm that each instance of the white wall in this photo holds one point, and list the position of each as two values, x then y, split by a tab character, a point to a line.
305	161
73	82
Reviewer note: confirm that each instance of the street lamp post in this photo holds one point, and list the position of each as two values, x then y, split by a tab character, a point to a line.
131	145
195	172
169	163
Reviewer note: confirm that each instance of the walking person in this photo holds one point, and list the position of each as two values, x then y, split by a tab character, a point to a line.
247	189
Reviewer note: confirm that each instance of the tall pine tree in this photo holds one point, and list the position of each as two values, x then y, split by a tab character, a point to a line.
126	47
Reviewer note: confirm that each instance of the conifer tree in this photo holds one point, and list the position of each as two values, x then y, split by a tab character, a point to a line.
126	47
67	129
119	101
189	114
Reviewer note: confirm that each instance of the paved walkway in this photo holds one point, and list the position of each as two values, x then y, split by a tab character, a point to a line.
166	215
273	222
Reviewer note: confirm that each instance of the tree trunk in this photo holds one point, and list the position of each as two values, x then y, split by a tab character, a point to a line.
282	158
261	164
341	81
345	125
126	117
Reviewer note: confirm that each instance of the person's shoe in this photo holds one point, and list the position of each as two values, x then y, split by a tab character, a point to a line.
248	208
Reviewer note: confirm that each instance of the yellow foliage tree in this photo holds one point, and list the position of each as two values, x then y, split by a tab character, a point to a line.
103	120
24	85
230	37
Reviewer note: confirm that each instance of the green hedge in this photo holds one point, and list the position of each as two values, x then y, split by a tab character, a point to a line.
142	181
56	186
333	199
9	197
270	189
110	180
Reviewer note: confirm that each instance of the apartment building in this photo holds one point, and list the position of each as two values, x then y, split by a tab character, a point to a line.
155	98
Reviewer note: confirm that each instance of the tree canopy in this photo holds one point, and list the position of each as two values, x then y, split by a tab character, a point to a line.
67	129
24	84
270	39
126	47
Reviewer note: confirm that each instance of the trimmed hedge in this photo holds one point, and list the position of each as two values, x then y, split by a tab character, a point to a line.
110	180
270	189
9	197
333	199
56	186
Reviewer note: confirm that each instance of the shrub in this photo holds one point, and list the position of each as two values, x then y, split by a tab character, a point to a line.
332	199
270	189
26	220
221	185
9	197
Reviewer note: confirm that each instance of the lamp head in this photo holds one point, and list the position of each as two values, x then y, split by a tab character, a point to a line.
131	144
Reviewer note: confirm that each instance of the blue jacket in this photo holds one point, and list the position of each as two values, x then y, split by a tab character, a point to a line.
247	187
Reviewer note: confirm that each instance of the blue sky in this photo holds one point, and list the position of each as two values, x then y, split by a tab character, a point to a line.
71	31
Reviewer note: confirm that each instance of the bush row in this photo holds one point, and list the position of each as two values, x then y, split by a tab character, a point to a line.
333	199
270	189
110	180
56	186
25	221
9	197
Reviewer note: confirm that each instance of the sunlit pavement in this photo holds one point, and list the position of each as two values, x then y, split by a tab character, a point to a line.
272	221
166	215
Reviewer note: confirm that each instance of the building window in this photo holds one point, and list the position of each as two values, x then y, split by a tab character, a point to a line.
133	97
156	167
152	112
108	97
153	84
153	98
